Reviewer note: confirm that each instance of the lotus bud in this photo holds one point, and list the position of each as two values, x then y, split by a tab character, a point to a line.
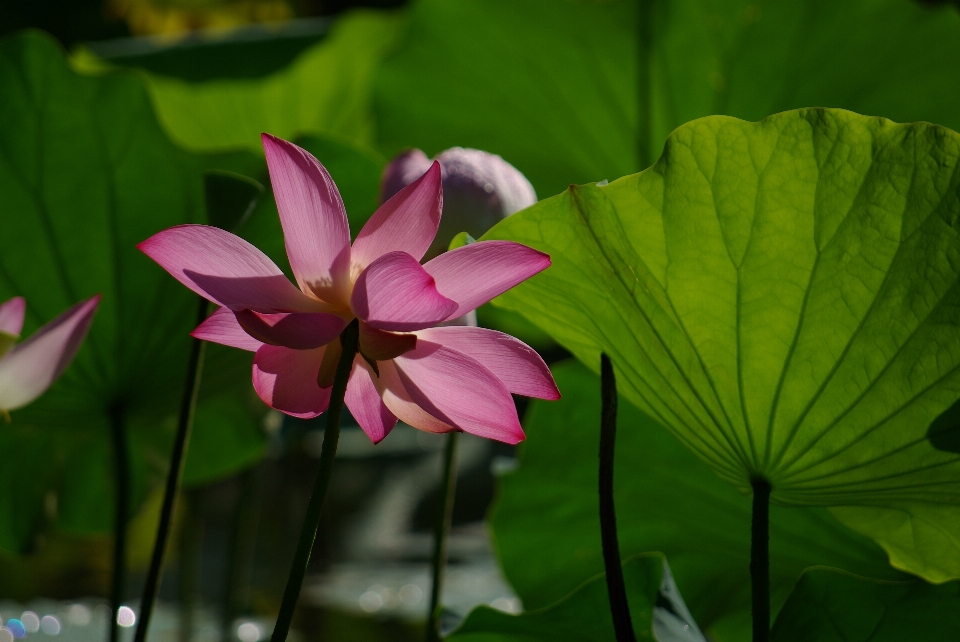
479	190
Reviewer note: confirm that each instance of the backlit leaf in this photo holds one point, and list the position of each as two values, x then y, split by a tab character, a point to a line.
667	501
782	295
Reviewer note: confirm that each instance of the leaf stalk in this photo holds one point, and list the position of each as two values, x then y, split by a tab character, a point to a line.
760	559
616	590
188	405
121	471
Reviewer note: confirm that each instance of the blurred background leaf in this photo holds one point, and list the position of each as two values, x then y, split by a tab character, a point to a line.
829	605
581	616
553	86
549	86
325	90
81	206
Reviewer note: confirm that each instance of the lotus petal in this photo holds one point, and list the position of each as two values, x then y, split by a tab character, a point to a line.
286	380
315	228
473	274
396	293
29	368
459	390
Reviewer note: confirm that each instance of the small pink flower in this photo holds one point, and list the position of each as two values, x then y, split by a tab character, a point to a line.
27	369
437	379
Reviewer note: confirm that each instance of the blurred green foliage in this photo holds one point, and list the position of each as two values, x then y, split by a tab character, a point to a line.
326	90
828	605
553	86
81	207
582	616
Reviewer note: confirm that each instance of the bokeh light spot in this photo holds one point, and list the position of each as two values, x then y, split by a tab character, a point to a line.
126	617
371	601
507	604
248	632
411	594
50	625
31	622
16	627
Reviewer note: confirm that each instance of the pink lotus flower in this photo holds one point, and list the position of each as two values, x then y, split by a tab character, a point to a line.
437	379
27	369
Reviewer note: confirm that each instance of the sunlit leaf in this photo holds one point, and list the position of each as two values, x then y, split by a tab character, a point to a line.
918	536
667	501
325	90
782	295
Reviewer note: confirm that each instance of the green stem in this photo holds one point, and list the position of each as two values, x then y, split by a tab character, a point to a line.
331	435
616	590
644	47
121	469
240	569
191	546
441	533
188	404
760	559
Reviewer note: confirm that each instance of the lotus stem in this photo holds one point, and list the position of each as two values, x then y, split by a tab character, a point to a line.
441	534
246	521
121	470
616	590
760	559
188	404
191	549
331	435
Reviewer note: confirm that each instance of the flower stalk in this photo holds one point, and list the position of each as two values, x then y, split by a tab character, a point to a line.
348	340
441	534
616	590
760	559
188	406
121	471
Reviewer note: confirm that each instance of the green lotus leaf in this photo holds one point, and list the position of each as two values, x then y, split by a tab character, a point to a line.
781	295
553	86
581	616
326	90
86	173
667	500
828	605
919	536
